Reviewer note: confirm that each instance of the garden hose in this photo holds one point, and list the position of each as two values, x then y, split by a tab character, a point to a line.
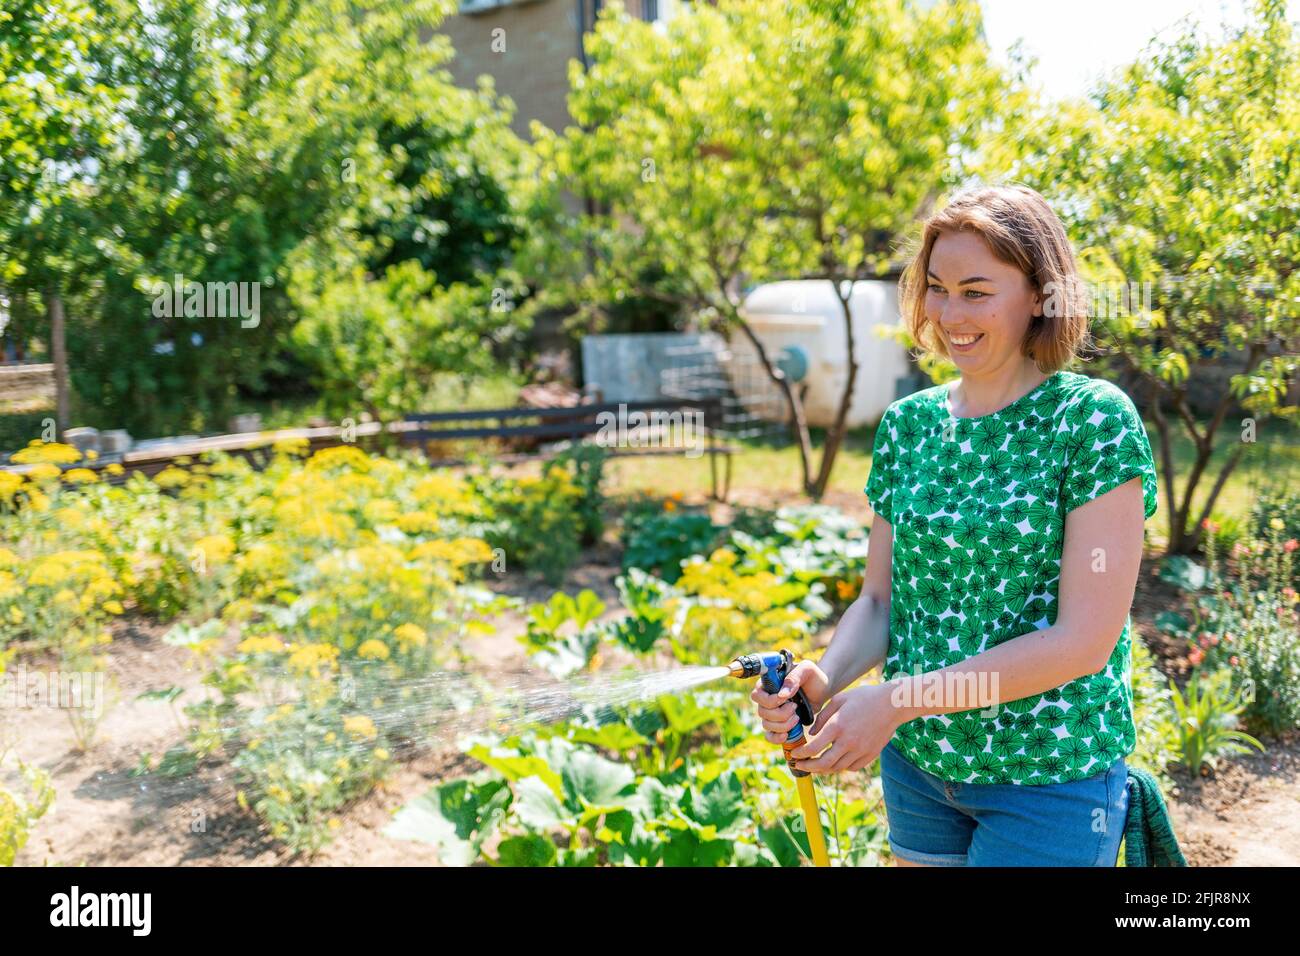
771	669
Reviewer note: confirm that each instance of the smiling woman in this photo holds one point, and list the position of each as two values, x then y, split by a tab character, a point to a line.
1009	510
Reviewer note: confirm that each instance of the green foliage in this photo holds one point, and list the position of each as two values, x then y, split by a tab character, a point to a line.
660	542
567	796
538	522
1250	627
1157	742
282	145
585	464
376	345
563	654
1181	172
754	141
17	815
1205	718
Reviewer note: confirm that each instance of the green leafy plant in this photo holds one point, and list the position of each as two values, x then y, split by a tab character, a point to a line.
661	542
17	815
1205	718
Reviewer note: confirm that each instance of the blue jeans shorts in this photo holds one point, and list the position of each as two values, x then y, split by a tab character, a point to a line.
939	823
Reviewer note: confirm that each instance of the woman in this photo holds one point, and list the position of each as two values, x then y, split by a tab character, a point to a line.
1009	511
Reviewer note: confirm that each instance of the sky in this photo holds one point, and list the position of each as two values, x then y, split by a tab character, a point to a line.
1098	35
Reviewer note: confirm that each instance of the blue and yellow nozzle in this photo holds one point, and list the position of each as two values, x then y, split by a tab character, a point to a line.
771	669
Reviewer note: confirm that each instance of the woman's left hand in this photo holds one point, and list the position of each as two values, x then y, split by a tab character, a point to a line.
851	729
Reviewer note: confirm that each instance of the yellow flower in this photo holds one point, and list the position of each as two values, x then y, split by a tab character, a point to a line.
381	753
16	614
43	471
416	522
373	649
340	456
215	548
291	446
334	823
80	476
309	658
260	645
1277	524
113	607
380	510
172	477
360	727
9	484
115	469
331	737
51	452
409	636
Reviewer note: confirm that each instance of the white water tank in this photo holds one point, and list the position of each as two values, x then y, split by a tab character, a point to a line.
801	323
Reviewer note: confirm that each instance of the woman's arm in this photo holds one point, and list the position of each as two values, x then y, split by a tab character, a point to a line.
861	638
1100	560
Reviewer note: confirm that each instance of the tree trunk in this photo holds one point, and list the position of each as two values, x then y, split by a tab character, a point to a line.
835	435
59	355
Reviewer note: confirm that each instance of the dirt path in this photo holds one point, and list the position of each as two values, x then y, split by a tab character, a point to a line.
1246	814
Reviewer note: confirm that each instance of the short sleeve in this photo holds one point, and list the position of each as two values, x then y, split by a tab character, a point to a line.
880	482
1107	446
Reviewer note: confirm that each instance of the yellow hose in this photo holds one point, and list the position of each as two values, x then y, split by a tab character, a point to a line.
813	820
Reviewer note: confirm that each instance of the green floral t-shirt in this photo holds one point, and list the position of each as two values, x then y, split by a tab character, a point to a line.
978	509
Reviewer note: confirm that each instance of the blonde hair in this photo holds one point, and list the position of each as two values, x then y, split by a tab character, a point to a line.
1022	230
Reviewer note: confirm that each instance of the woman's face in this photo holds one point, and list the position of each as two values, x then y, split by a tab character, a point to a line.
973	295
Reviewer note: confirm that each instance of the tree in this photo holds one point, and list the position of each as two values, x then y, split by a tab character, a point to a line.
234	141
57	129
1184	173
754	141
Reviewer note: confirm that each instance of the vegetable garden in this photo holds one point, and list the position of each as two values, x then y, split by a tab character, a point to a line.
335	605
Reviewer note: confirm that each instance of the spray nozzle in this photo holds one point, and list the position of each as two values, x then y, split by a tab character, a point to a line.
757	665
771	668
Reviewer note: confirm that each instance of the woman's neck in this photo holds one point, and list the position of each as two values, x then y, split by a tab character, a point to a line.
974	396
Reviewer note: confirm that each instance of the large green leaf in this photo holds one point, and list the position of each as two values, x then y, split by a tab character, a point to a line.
533	849
719	803
455	817
590	777
536	805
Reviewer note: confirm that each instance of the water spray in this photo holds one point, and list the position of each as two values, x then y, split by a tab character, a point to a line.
771	670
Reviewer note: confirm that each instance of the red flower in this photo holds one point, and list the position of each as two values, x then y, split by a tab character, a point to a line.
1290	544
1196	656
1233	660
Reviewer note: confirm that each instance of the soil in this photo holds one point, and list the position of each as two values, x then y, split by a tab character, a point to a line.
1245	813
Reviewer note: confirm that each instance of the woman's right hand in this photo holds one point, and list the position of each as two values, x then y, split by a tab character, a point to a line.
776	711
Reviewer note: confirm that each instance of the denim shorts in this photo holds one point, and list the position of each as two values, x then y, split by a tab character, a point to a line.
939	823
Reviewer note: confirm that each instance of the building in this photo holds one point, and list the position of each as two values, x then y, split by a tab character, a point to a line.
526	46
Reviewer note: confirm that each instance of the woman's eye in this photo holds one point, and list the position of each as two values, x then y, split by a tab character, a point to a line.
935	288
974	293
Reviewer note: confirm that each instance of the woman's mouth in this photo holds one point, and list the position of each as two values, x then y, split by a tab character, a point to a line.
966	341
